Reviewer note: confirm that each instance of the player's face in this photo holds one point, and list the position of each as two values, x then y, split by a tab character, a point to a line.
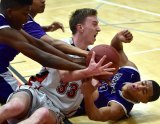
18	16
90	29
141	91
38	6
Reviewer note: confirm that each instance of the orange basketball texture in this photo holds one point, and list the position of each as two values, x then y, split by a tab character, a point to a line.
112	56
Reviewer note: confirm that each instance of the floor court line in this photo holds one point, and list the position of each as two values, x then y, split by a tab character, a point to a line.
130	8
71	5
145	51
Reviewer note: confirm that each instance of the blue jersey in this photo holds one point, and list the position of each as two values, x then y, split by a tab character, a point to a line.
33	28
112	92
7	53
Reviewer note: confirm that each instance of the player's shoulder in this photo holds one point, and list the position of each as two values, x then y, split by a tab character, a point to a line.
129	68
68	40
3	22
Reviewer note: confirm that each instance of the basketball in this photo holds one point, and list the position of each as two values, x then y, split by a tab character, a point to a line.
112	56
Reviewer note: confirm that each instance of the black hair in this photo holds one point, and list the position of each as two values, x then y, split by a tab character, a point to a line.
5	4
156	91
79	16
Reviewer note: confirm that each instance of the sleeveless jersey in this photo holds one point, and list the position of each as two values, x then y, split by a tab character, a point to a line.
7	53
112	92
70	41
65	96
7	82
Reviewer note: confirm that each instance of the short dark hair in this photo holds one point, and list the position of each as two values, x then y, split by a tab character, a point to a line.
5	4
156	91
79	16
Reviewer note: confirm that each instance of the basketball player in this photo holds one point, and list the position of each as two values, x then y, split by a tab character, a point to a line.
39	32
51	95
84	27
12	41
115	100
38	6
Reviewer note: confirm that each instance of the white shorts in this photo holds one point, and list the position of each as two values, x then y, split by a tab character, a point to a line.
39	99
8	85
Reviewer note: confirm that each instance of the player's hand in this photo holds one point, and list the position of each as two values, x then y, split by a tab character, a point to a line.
124	36
95	69
55	26
87	88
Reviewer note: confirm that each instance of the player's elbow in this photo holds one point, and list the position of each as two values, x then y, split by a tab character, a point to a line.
97	118
102	117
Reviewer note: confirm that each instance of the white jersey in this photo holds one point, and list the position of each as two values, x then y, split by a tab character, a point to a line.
65	96
70	41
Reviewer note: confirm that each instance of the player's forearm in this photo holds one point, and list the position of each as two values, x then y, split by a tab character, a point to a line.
69	49
75	75
45	28
90	108
61	64
116	43
46	47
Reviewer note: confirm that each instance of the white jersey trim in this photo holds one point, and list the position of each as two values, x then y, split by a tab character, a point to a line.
120	105
2	15
126	98
130	67
5	26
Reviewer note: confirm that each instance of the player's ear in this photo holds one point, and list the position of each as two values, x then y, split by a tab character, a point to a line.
80	27
8	12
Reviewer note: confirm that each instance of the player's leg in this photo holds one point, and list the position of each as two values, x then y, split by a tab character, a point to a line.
17	106
41	116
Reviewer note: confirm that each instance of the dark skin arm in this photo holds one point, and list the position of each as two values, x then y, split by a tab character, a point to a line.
16	40
64	47
121	37
49	46
53	27
44	46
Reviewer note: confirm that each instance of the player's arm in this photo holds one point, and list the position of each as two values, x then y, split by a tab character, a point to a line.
44	46
53	27
93	69
121	37
16	40
111	112
64	47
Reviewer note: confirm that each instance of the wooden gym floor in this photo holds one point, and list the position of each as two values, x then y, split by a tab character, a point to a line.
141	17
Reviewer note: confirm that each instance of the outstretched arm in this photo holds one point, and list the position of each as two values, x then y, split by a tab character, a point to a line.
16	40
44	46
64	47
93	69
53	27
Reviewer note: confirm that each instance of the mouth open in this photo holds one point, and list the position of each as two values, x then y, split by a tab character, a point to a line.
95	35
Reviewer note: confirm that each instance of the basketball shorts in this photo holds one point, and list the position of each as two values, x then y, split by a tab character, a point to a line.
39	99
8	84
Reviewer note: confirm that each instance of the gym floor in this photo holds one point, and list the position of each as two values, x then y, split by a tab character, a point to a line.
141	17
